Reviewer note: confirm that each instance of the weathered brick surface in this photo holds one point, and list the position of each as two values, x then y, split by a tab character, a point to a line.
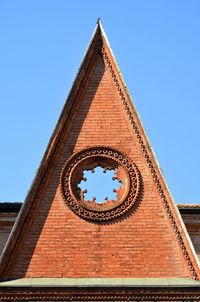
60	244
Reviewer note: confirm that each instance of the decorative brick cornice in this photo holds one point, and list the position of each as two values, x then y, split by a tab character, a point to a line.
100	294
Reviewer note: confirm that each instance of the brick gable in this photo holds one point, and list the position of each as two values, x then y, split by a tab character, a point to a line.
50	240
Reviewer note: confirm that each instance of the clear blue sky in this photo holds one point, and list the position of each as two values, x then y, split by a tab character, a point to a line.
157	46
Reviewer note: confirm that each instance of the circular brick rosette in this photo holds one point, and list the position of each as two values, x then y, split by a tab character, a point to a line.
126	172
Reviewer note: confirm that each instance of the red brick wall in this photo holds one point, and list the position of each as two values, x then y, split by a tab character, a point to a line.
6	223
60	244
192	223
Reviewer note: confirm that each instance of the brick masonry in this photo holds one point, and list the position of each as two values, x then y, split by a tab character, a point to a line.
57	243
191	221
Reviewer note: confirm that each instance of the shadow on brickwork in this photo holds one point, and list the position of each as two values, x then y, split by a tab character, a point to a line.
38	212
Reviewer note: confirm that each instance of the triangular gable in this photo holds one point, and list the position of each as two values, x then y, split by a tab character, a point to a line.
57	233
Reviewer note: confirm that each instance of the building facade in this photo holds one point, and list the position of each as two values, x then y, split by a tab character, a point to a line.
66	246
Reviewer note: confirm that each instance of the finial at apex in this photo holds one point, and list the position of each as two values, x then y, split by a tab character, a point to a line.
99	21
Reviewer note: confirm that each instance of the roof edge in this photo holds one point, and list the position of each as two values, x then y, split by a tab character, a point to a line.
101	282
